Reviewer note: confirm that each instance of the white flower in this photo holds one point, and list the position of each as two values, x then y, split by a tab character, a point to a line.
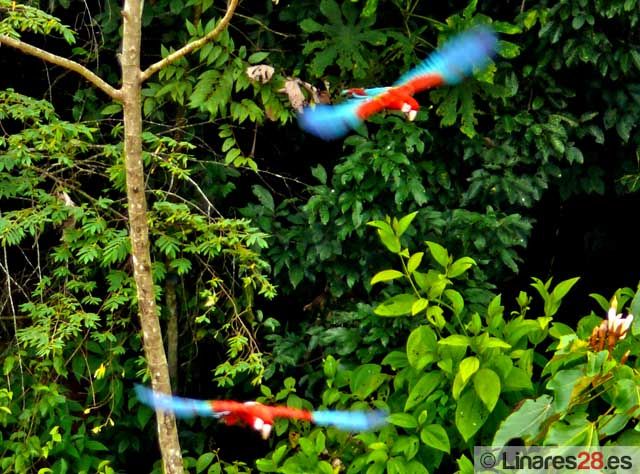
617	324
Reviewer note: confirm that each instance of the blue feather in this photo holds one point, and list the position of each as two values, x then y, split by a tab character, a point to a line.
458	57
182	407
330	121
350	420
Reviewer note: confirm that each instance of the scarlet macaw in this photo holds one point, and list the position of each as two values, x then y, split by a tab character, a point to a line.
257	416
449	65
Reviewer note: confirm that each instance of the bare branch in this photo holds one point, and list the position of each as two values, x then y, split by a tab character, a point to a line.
63	62
194	45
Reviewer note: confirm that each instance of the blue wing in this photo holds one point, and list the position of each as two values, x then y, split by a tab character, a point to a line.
330	121
456	59
182	407
350	420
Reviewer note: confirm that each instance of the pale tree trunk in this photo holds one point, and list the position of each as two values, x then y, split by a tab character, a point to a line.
139	230
130	96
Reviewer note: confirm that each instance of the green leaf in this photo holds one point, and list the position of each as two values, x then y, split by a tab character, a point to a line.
493	343
634	309
421	347
567	385
398	305
468	367
370	8
319	173
330	367
487	385
439	253
365	380
471	414
266	465
460	266
386	275
414	261
574	155
423	388
563	288
391	241
419	305
403	420
457	303
436	437
203	461
9	362
258	57
574	430
396	360
407	445
457	340
320	442
143	415
264	196
518	379
111	109
525	422
310	26
404	223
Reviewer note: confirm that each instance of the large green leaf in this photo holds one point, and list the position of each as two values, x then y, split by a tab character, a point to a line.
566	386
366	379
423	388
386	275
398	305
436	437
525	422
471	414
421	347
574	430
439	253
487	385
403	420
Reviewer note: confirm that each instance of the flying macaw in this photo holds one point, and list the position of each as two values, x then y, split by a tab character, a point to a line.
257	416
447	66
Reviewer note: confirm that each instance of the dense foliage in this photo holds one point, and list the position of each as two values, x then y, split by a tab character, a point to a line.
279	273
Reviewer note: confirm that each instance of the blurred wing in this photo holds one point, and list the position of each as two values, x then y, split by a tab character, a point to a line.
330	122
181	407
350	420
453	62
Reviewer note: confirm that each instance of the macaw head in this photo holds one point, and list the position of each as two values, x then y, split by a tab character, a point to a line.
263	428
409	111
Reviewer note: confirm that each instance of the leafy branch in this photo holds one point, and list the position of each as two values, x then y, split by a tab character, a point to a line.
193	46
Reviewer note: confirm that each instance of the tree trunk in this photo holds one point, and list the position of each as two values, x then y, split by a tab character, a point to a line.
139	231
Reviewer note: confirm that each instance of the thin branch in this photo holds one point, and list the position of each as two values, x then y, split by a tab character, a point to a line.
15	317
63	62
194	45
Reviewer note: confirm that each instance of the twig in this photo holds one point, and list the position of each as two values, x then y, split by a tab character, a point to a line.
63	62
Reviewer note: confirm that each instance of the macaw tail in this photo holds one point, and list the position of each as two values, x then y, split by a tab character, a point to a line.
458	57
350	420
181	407
330	121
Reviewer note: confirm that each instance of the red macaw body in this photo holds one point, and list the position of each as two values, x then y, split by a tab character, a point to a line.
255	415
449	65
